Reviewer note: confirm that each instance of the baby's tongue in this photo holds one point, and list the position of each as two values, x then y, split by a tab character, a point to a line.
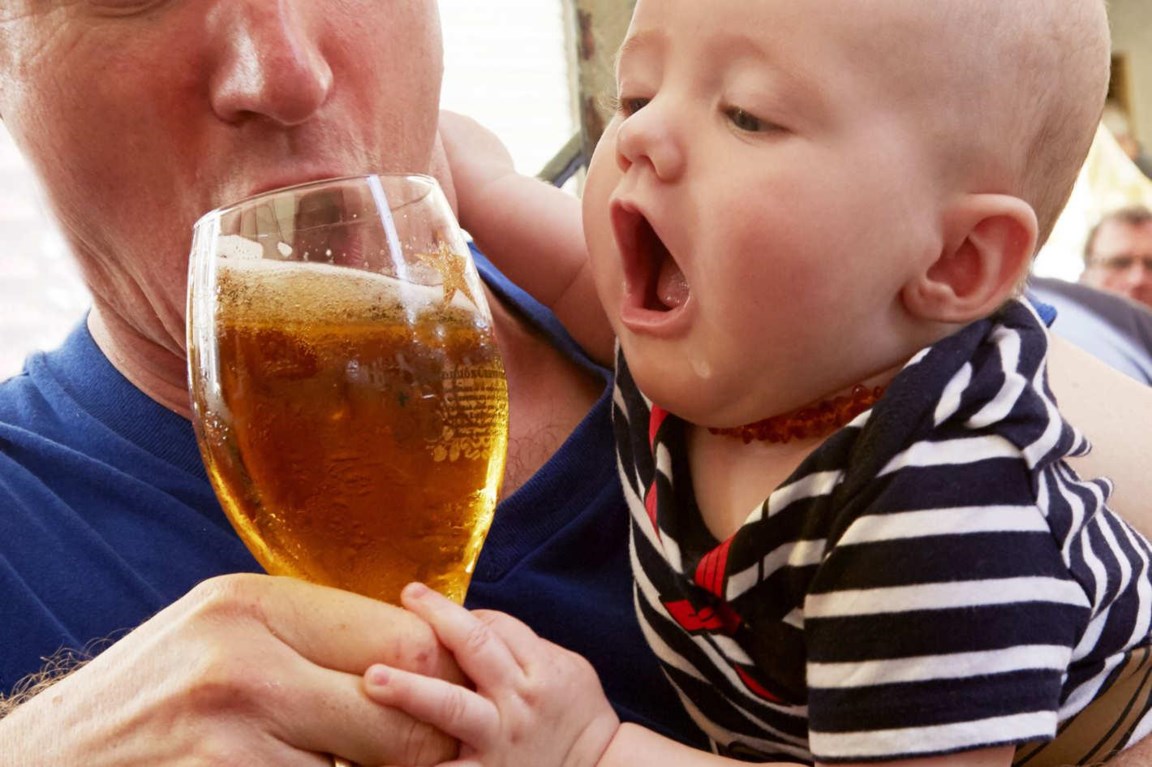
671	287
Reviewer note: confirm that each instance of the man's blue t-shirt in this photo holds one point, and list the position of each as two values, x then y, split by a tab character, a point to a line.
107	516
1108	326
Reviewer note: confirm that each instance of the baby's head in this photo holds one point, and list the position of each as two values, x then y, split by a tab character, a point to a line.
795	197
1010	94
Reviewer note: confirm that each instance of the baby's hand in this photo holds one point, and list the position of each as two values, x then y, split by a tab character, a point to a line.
535	702
477	158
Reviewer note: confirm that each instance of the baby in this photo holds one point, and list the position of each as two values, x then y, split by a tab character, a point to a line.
856	538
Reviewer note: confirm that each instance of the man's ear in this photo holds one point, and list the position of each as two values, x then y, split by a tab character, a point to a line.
988	246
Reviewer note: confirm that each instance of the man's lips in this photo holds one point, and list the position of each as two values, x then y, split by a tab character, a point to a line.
294	178
653	281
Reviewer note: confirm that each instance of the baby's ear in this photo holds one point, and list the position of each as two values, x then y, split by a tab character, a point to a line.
988	244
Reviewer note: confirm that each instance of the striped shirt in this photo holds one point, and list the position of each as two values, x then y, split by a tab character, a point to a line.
933	578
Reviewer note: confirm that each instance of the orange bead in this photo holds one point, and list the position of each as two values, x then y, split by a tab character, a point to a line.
816	420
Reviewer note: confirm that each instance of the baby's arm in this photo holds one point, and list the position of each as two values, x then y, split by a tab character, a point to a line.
530	229
536	703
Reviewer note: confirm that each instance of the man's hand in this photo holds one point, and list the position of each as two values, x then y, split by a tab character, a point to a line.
245	669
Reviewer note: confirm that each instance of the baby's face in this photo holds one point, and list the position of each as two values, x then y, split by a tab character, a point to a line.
757	203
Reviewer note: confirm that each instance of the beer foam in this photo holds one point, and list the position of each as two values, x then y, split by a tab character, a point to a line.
233	246
274	291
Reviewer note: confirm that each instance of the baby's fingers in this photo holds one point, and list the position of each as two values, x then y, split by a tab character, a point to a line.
455	710
481	652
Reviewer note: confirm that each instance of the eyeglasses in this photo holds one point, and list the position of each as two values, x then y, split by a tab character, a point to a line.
1120	262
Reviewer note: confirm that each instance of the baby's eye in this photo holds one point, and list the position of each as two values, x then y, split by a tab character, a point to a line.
747	121
630	105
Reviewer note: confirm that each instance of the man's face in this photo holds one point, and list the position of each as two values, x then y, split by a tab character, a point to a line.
1121	260
141	115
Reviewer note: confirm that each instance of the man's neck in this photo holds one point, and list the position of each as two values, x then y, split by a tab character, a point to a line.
548	394
154	369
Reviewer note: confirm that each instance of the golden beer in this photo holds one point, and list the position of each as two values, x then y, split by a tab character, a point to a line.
357	430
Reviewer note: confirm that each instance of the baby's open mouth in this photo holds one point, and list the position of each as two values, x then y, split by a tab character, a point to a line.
652	277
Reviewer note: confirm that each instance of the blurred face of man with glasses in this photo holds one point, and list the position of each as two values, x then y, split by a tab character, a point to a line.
1118	256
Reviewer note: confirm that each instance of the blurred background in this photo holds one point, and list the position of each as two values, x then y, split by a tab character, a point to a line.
527	69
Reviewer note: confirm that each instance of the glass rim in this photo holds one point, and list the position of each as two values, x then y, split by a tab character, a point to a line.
312	184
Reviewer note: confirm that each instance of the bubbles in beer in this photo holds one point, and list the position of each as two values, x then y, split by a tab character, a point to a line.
303	293
366	424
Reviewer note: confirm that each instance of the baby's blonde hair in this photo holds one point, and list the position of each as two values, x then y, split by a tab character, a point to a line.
1005	95
1067	108
1037	75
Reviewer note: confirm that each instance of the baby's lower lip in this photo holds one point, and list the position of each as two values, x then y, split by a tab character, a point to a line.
665	318
641	321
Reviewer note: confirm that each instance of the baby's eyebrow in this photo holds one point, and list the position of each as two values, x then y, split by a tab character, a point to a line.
649	39
781	74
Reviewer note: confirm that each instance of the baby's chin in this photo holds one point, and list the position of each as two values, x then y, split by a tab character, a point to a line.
690	390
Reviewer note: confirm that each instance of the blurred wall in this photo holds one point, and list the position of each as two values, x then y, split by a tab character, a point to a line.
41	296
506	63
1132	36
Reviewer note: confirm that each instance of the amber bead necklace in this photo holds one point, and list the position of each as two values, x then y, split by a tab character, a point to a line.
816	420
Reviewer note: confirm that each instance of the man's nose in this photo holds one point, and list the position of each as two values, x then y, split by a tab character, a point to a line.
269	61
1139	273
649	136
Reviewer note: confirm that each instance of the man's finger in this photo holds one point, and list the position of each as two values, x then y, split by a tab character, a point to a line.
328	627
328	712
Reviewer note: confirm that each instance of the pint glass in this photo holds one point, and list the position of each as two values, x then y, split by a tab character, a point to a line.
348	395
